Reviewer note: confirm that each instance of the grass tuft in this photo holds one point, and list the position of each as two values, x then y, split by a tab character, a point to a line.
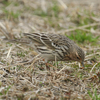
11	14
94	95
81	37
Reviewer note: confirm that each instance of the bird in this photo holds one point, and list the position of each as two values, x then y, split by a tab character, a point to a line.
54	46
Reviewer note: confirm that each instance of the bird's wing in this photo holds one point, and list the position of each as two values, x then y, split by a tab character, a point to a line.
35	37
51	41
41	39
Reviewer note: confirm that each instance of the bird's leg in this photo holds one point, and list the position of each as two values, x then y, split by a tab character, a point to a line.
55	61
47	65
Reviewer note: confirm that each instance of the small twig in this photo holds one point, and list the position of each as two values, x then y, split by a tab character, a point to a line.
21	47
32	27
63	4
81	27
33	61
51	66
9	52
3	30
87	57
93	68
43	5
93	49
27	81
55	61
61	70
5	67
90	31
95	19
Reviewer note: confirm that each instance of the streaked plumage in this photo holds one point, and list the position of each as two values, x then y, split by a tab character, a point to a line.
51	45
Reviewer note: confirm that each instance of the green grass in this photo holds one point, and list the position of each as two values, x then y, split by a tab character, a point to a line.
53	11
7	89
81	37
41	13
55	8
2	61
94	95
6	3
84	19
18	67
8	44
21	54
11	14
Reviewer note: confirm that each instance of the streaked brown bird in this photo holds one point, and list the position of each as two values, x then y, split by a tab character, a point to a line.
54	45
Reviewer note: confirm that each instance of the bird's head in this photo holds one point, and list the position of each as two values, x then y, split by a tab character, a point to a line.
80	56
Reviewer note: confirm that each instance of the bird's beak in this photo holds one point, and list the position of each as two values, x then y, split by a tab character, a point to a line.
82	64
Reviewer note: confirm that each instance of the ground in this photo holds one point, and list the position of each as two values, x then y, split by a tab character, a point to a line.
78	20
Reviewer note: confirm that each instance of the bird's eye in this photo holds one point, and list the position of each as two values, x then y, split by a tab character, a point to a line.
78	58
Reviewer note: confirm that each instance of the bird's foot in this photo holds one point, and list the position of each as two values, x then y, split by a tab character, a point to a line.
47	66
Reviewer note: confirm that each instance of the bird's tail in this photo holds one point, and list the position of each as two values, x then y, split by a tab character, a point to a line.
36	37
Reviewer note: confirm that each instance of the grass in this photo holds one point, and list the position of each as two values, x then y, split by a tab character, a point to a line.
81	37
21	54
41	13
6	3
37	81
94	95
11	14
53	10
84	18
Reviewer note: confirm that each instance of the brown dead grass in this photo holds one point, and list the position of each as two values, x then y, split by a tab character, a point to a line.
19	81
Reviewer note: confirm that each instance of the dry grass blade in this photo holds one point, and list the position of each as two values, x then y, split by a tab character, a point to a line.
95	19
9	52
36	59
81	28
7	34
63	4
27	81
22	76
93	68
4	31
61	70
91	55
